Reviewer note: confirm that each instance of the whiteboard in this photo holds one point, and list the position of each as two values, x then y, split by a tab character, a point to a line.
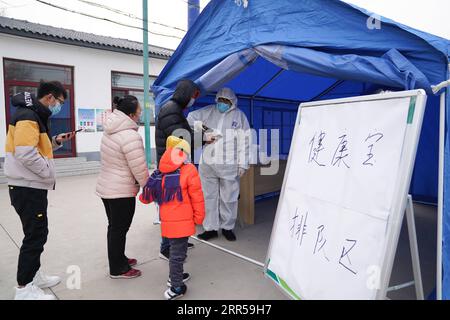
344	194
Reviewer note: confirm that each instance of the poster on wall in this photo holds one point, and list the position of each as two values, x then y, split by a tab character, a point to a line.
86	120
100	118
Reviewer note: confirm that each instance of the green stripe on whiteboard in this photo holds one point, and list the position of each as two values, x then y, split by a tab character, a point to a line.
286	287
282	283
272	275
412	108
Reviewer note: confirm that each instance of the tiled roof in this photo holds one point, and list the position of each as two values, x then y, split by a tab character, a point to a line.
83	39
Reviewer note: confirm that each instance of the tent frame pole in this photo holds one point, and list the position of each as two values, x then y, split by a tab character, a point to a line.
258	91
268	82
148	146
251	113
328	90
440	197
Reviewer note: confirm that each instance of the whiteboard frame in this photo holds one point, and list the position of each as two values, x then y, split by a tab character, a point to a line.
403	181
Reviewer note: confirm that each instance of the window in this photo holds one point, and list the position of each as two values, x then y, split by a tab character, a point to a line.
132	84
23	76
33	72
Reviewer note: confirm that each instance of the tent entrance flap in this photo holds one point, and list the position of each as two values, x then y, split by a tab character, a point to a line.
390	70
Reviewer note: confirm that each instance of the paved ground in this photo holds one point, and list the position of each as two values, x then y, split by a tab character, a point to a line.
77	224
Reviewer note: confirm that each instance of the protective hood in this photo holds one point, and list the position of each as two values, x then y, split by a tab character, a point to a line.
228	94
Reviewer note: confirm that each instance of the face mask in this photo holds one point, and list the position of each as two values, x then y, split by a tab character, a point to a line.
191	103
56	108
223	107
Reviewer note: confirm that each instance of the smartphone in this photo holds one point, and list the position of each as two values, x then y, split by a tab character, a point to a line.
67	135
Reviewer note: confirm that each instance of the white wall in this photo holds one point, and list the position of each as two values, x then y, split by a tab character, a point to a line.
92	77
2	101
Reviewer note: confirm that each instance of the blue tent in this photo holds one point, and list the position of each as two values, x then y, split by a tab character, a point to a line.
277	54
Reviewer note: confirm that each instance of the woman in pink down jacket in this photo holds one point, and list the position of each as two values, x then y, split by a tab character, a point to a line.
122	174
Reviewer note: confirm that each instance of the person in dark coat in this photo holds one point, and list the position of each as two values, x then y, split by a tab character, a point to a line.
172	121
171	118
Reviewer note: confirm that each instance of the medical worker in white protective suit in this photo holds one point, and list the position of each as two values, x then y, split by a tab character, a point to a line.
223	162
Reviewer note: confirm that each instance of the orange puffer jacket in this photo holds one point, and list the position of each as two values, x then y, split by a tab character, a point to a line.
178	218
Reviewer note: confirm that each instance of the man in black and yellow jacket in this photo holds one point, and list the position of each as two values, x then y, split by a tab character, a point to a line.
30	171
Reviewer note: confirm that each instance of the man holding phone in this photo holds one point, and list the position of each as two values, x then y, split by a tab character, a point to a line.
30	171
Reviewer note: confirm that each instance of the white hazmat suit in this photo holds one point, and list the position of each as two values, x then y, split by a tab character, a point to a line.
223	161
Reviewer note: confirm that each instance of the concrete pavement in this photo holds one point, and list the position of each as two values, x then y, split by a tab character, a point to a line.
77	242
77	239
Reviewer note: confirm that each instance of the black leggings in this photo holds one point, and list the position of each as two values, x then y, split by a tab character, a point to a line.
120	214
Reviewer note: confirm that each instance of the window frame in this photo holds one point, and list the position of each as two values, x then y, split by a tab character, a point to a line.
127	90
70	88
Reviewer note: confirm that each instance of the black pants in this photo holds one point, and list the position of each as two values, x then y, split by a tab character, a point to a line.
178	250
31	206
120	214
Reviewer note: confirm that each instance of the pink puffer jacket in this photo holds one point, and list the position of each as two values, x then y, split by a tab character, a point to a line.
124	167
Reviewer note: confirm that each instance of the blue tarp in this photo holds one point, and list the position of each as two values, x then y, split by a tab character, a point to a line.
276	54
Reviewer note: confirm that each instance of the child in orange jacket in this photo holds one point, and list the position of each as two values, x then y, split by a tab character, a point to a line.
177	189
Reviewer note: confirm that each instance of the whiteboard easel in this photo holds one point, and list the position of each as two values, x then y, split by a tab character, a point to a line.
414	249
401	201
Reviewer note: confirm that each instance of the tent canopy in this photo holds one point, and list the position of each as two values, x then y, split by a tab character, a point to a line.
277	54
329	39
309	50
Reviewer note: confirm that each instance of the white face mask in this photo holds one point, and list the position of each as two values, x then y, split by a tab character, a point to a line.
191	103
56	108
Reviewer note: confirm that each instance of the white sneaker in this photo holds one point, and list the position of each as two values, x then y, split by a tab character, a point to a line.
32	292
43	281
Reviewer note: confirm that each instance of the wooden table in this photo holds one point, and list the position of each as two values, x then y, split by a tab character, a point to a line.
254	184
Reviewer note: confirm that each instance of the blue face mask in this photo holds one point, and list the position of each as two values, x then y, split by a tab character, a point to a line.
223	107
56	108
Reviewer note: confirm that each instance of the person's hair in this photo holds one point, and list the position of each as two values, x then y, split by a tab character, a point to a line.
128	104
53	87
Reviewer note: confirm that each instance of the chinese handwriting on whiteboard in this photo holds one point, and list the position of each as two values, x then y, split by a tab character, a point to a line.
320	242
298	230
316	148
347	263
372	139
342	152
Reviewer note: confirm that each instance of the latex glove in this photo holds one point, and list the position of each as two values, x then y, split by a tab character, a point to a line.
209	139
212	136
241	172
